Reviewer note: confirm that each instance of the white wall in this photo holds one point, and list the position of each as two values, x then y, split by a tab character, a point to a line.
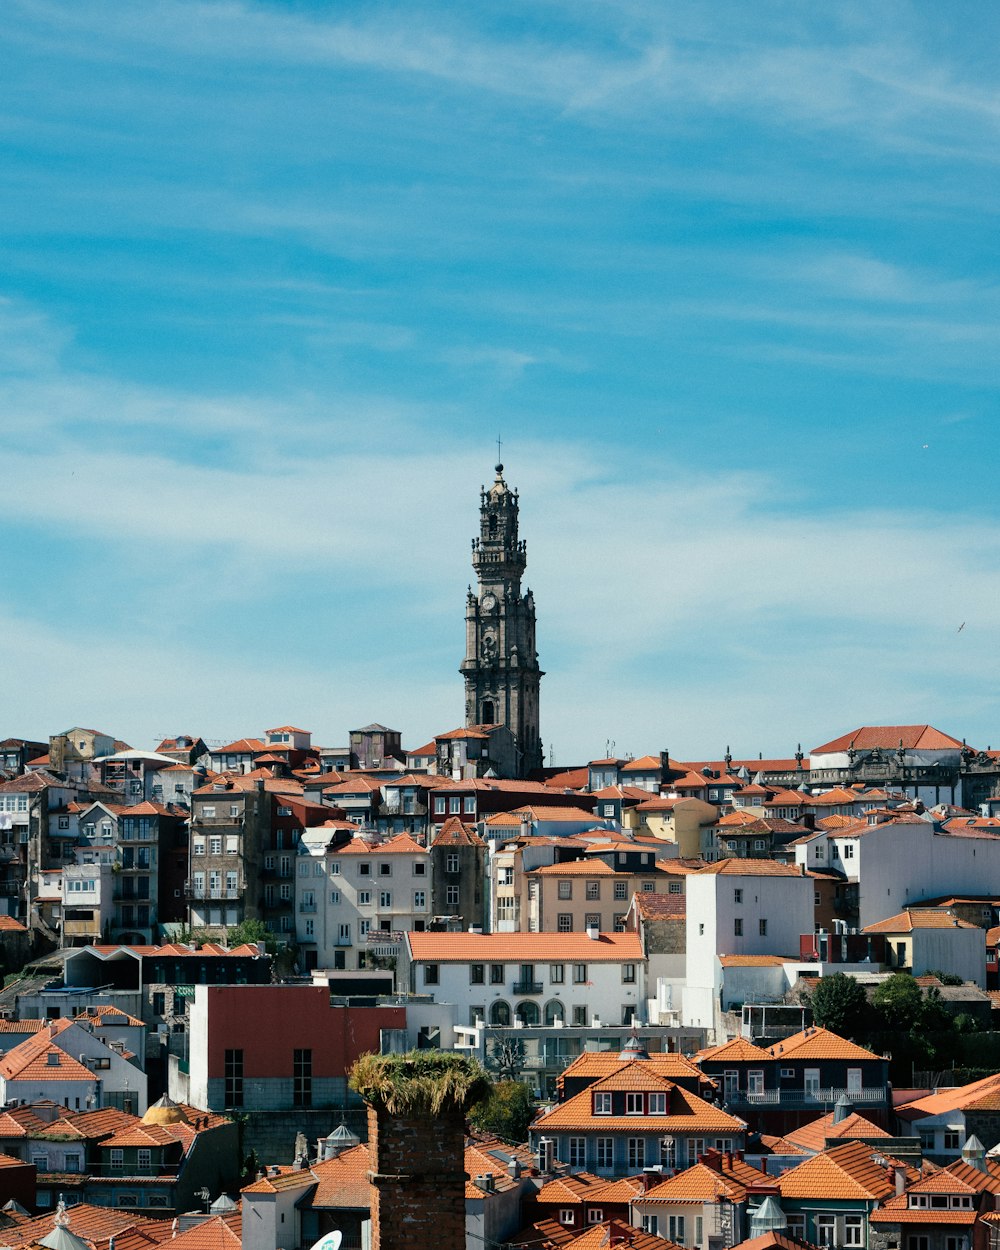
901	864
784	901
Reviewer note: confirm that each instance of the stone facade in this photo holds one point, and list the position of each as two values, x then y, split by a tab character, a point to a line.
500	668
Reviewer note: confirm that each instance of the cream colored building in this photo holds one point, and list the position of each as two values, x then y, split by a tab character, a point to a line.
677	820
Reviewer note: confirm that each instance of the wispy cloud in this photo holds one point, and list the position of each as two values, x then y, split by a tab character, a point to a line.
636	558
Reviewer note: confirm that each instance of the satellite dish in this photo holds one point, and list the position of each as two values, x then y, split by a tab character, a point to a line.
330	1242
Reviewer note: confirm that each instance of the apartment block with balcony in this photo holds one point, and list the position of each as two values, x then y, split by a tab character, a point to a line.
798	1078
356	896
229	825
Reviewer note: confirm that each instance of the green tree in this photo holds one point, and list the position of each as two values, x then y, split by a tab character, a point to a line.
946	978
506	1113
839	1004
251	931
898	1001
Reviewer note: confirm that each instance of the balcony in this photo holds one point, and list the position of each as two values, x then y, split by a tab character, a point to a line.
304	906
873	1095
527	987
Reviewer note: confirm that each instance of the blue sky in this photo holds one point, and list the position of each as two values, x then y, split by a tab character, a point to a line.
725	277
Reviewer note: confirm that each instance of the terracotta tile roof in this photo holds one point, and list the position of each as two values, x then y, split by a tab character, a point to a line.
343	1181
571	779
454	833
282	1180
401	844
686	1112
21	1026
896	1211
109	1017
813	1136
620	1235
918	918
775	1241
679	867
40	1059
750	868
740	1049
652	906
888	737
524	947
644	764
728	1177
834	824
841	1173
819	1043
8	924
95	1224
577	868
220	1232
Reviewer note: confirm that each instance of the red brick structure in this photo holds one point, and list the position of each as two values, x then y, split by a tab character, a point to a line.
418	1178
416	1138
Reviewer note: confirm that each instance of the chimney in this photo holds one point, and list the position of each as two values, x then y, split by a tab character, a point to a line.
416	1142
514	1168
900	1178
593	932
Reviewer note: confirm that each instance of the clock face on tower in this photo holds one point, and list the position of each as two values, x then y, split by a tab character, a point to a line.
488	602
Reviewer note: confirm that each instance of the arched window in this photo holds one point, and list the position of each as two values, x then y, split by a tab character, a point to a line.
500	1013
489	712
554	1012
528	1013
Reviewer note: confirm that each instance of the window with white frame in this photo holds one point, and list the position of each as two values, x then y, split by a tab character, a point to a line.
605	1152
675	1228
595	1215
658	1104
451	895
385	898
636	1152
651	1224
633	1103
602	1102
566	1216
577	1150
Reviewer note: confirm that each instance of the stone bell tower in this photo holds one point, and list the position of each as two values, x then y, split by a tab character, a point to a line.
501	664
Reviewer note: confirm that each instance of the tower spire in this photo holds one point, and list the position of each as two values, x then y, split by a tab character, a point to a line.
500	668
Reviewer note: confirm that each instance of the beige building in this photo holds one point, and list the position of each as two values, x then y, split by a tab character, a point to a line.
588	894
677	820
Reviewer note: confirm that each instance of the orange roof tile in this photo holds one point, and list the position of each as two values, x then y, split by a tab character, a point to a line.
918	918
888	738
814	1135
841	1173
725	1178
735	1051
686	1112
750	868
819	1043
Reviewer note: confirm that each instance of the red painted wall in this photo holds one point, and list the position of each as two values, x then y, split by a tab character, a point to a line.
268	1022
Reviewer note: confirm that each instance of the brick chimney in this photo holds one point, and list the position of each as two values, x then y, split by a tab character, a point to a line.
417	1105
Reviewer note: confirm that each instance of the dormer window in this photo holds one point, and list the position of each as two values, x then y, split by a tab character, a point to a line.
658	1104
633	1104
602	1103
